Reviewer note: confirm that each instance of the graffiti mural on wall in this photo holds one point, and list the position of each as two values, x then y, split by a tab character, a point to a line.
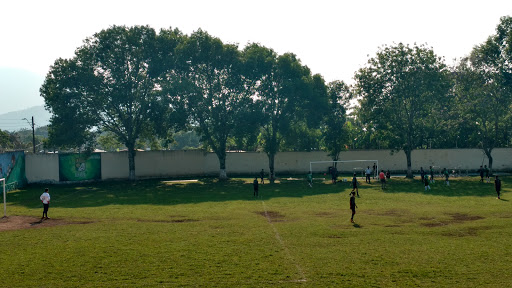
79	167
12	168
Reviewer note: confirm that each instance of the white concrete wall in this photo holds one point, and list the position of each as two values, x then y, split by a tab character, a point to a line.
42	168
242	163
114	165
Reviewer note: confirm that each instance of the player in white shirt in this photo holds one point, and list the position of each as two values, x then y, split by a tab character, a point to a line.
368	173
45	198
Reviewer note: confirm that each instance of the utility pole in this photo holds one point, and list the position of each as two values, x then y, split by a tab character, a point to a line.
33	135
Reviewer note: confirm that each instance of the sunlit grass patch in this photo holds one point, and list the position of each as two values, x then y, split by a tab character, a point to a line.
173	182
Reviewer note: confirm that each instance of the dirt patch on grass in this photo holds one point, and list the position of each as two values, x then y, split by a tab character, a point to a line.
459	217
505	215
167	221
456	218
469	231
391	212
183	220
399	216
273	216
27	222
433	224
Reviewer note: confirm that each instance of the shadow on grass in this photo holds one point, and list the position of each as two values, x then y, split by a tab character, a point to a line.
176	192
163	192
459	187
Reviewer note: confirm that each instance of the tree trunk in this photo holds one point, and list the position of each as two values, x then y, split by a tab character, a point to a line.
223	175
271	157
490	164
335	158
131	161
409	163
222	165
489	156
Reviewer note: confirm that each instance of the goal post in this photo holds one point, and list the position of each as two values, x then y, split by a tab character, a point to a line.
5	202
354	163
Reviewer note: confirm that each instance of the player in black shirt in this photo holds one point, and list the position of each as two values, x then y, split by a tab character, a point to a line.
255	185
497	186
353	205
354	185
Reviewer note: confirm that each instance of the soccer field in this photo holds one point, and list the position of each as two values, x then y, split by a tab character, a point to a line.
204	233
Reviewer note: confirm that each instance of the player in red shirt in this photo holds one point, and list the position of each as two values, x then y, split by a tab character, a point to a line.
382	178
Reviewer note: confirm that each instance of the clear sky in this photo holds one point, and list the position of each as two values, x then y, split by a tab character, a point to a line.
333	38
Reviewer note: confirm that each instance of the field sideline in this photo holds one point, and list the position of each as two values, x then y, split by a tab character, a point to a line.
205	233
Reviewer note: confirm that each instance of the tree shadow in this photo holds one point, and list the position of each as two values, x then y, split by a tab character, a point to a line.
459	187
165	192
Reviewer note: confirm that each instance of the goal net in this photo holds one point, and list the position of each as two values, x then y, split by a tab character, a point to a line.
346	166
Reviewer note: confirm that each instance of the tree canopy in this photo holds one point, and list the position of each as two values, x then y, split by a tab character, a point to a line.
335	132
483	90
135	87
216	96
109	85
287	94
399	89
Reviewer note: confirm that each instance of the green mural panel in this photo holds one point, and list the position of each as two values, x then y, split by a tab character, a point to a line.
79	167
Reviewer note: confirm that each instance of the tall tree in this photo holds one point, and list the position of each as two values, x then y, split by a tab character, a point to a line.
287	93
5	141
303	130
399	89
215	90
335	133
247	126
10	141
482	104
484	89
109	85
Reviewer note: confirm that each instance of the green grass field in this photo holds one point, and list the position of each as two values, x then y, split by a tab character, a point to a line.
156	233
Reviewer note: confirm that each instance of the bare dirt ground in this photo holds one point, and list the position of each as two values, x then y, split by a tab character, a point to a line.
27	222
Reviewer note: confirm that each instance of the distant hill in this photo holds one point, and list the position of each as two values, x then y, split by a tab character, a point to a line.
13	121
19	89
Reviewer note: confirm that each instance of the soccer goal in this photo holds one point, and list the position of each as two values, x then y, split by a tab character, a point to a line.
5	202
347	166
